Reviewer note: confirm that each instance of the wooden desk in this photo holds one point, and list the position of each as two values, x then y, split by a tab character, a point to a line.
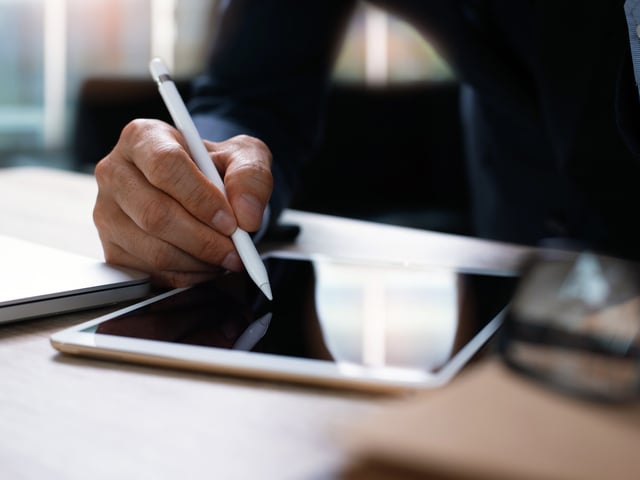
71	418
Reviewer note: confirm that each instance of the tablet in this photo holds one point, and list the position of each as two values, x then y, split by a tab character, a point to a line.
354	324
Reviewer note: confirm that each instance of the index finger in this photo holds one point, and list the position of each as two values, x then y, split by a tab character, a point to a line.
159	152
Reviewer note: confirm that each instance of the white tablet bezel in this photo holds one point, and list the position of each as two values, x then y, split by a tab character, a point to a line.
77	340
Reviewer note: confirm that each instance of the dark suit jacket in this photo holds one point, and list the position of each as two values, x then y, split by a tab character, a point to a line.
548	102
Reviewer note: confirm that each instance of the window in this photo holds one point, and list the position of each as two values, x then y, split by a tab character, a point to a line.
381	49
49	47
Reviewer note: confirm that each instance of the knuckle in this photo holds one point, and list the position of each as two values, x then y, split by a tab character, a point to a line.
104	171
258	148
99	219
209	250
101	170
154	217
242	138
160	257
104	213
154	142
261	148
258	173
136	129
112	171
165	160
198	198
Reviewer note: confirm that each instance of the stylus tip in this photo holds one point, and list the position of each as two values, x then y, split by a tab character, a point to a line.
266	289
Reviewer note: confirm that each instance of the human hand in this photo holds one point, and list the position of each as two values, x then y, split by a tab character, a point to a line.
156	212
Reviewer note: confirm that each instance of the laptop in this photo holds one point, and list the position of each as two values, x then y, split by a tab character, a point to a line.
36	280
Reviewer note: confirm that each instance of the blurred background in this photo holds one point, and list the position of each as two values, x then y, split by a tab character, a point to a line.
74	72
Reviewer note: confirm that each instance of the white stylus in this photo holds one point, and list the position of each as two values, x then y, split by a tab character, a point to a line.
253	333
183	121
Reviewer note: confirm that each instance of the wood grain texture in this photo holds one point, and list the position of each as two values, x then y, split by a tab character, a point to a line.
73	418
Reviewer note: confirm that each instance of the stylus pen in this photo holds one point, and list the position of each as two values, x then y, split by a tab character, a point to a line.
253	333
183	121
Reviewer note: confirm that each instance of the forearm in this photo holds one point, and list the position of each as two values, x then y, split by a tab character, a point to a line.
268	76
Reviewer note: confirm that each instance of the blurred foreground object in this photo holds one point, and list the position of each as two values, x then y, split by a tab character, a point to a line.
574	324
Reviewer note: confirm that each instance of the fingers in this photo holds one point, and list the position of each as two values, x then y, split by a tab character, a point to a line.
155	211
246	163
125	243
164	278
167	166
143	225
160	216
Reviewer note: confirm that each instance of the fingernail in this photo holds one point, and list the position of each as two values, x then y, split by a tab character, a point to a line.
249	206
232	262
223	222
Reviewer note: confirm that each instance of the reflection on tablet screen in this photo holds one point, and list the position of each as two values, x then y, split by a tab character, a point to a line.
350	313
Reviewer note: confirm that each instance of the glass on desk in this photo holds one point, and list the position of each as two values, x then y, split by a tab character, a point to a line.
574	323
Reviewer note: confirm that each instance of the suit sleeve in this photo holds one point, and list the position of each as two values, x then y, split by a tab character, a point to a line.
267	76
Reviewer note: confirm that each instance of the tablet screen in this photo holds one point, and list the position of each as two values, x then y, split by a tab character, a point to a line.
367	315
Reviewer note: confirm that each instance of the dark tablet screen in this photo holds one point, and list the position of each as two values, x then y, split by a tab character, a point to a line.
371	315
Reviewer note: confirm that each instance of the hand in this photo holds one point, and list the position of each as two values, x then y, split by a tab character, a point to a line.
157	212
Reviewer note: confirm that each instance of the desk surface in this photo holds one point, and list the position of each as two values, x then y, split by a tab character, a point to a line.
72	418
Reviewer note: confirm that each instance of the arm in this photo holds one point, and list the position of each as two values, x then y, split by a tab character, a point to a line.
267	77
260	94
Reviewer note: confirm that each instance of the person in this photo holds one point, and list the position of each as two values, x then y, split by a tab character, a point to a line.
548	103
